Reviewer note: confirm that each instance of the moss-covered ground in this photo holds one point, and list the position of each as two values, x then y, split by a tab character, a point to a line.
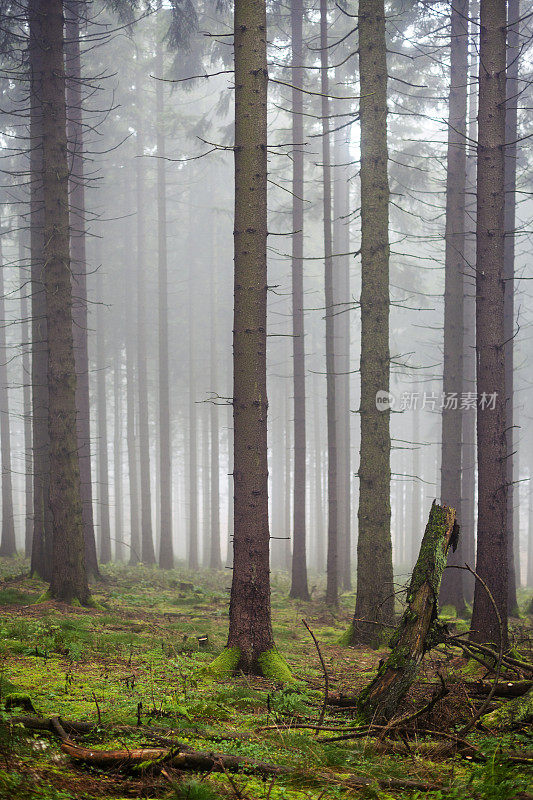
142	654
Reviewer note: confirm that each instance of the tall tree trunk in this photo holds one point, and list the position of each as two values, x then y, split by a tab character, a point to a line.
133	475
250	641
451	592
166	554
511	135
206	487
26	404
41	554
332	575
288	486
529	573
101	406
147	540
375	598
416	527
79	271
69	578
117	453
492	555
215	561
231	490
192	539
8	545
299	556
319	507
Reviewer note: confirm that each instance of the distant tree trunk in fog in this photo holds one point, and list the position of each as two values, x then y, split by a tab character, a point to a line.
511	135
375	599
341	245
26	401
79	272
41	554
192	539
288	486
229	550
215	561
318	504
166	553
451	590
277	447
147	540
299	556
332	575
250	628
135	529
117	453
104	538
416	527
7	543
206	486
68	578
492	552
529	572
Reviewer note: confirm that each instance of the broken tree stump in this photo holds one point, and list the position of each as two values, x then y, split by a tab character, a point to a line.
415	633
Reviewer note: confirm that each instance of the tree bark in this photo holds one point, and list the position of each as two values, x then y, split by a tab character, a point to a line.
26	404
215	561
166	553
192	539
8	545
133	474
147	540
492	555
332	570
101	405
375	593
117	453
78	259
299	555
452	384
529	572
68	578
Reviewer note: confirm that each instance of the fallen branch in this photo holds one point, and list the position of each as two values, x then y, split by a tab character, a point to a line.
326	676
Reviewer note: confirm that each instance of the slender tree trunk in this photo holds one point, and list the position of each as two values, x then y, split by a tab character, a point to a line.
166	554
299	557
101	405
416	528
511	135
135	529
117	453
231	491
529	573
69	578
215	561
147	539
451	592
492	555
26	405
250	632
319	508
193	550
288	486
206	487
375	598
79	271
8	545
41	554
332	583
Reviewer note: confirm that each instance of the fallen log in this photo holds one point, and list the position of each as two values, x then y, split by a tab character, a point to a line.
416	632
502	689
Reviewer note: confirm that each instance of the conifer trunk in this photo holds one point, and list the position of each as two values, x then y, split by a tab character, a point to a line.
192	539
8	545
101	410
117	453
375	598
215	561
492	555
26	404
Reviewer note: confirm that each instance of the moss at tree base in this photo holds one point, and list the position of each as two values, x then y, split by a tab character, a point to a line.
270	665
511	714
225	664
347	637
274	667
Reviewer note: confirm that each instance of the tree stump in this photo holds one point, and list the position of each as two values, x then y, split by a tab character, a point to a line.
415	634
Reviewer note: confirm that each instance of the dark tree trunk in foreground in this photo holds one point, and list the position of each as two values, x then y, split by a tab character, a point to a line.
450	483
250	642
7	543
299	556
101	406
491	563
332	571
166	555
26	403
375	599
69	578
147	539
79	272
41	553
511	135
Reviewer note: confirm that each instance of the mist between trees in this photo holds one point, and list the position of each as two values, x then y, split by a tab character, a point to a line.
140	255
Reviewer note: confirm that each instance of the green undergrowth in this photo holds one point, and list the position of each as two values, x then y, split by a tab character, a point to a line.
146	652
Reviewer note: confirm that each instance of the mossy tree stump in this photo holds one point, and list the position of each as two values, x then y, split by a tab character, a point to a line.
413	636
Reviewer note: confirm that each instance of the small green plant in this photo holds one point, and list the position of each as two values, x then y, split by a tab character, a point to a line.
194	789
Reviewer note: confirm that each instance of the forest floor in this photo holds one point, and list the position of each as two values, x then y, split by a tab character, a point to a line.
137	658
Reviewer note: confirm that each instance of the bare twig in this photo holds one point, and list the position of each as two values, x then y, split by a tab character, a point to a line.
326	675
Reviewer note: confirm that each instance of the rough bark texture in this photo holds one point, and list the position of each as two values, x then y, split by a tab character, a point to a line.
491	562
7	543
26	403
166	554
452	384
332	569
79	270
511	135
413	636
250	633
147	539
68	578
375	599
104	538
299	556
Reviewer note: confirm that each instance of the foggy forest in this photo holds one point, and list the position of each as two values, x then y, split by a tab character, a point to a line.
265	434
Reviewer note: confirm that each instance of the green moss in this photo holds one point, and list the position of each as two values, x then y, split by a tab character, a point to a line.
511	714
225	664
44	597
92	603
347	637
274	667
19	700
